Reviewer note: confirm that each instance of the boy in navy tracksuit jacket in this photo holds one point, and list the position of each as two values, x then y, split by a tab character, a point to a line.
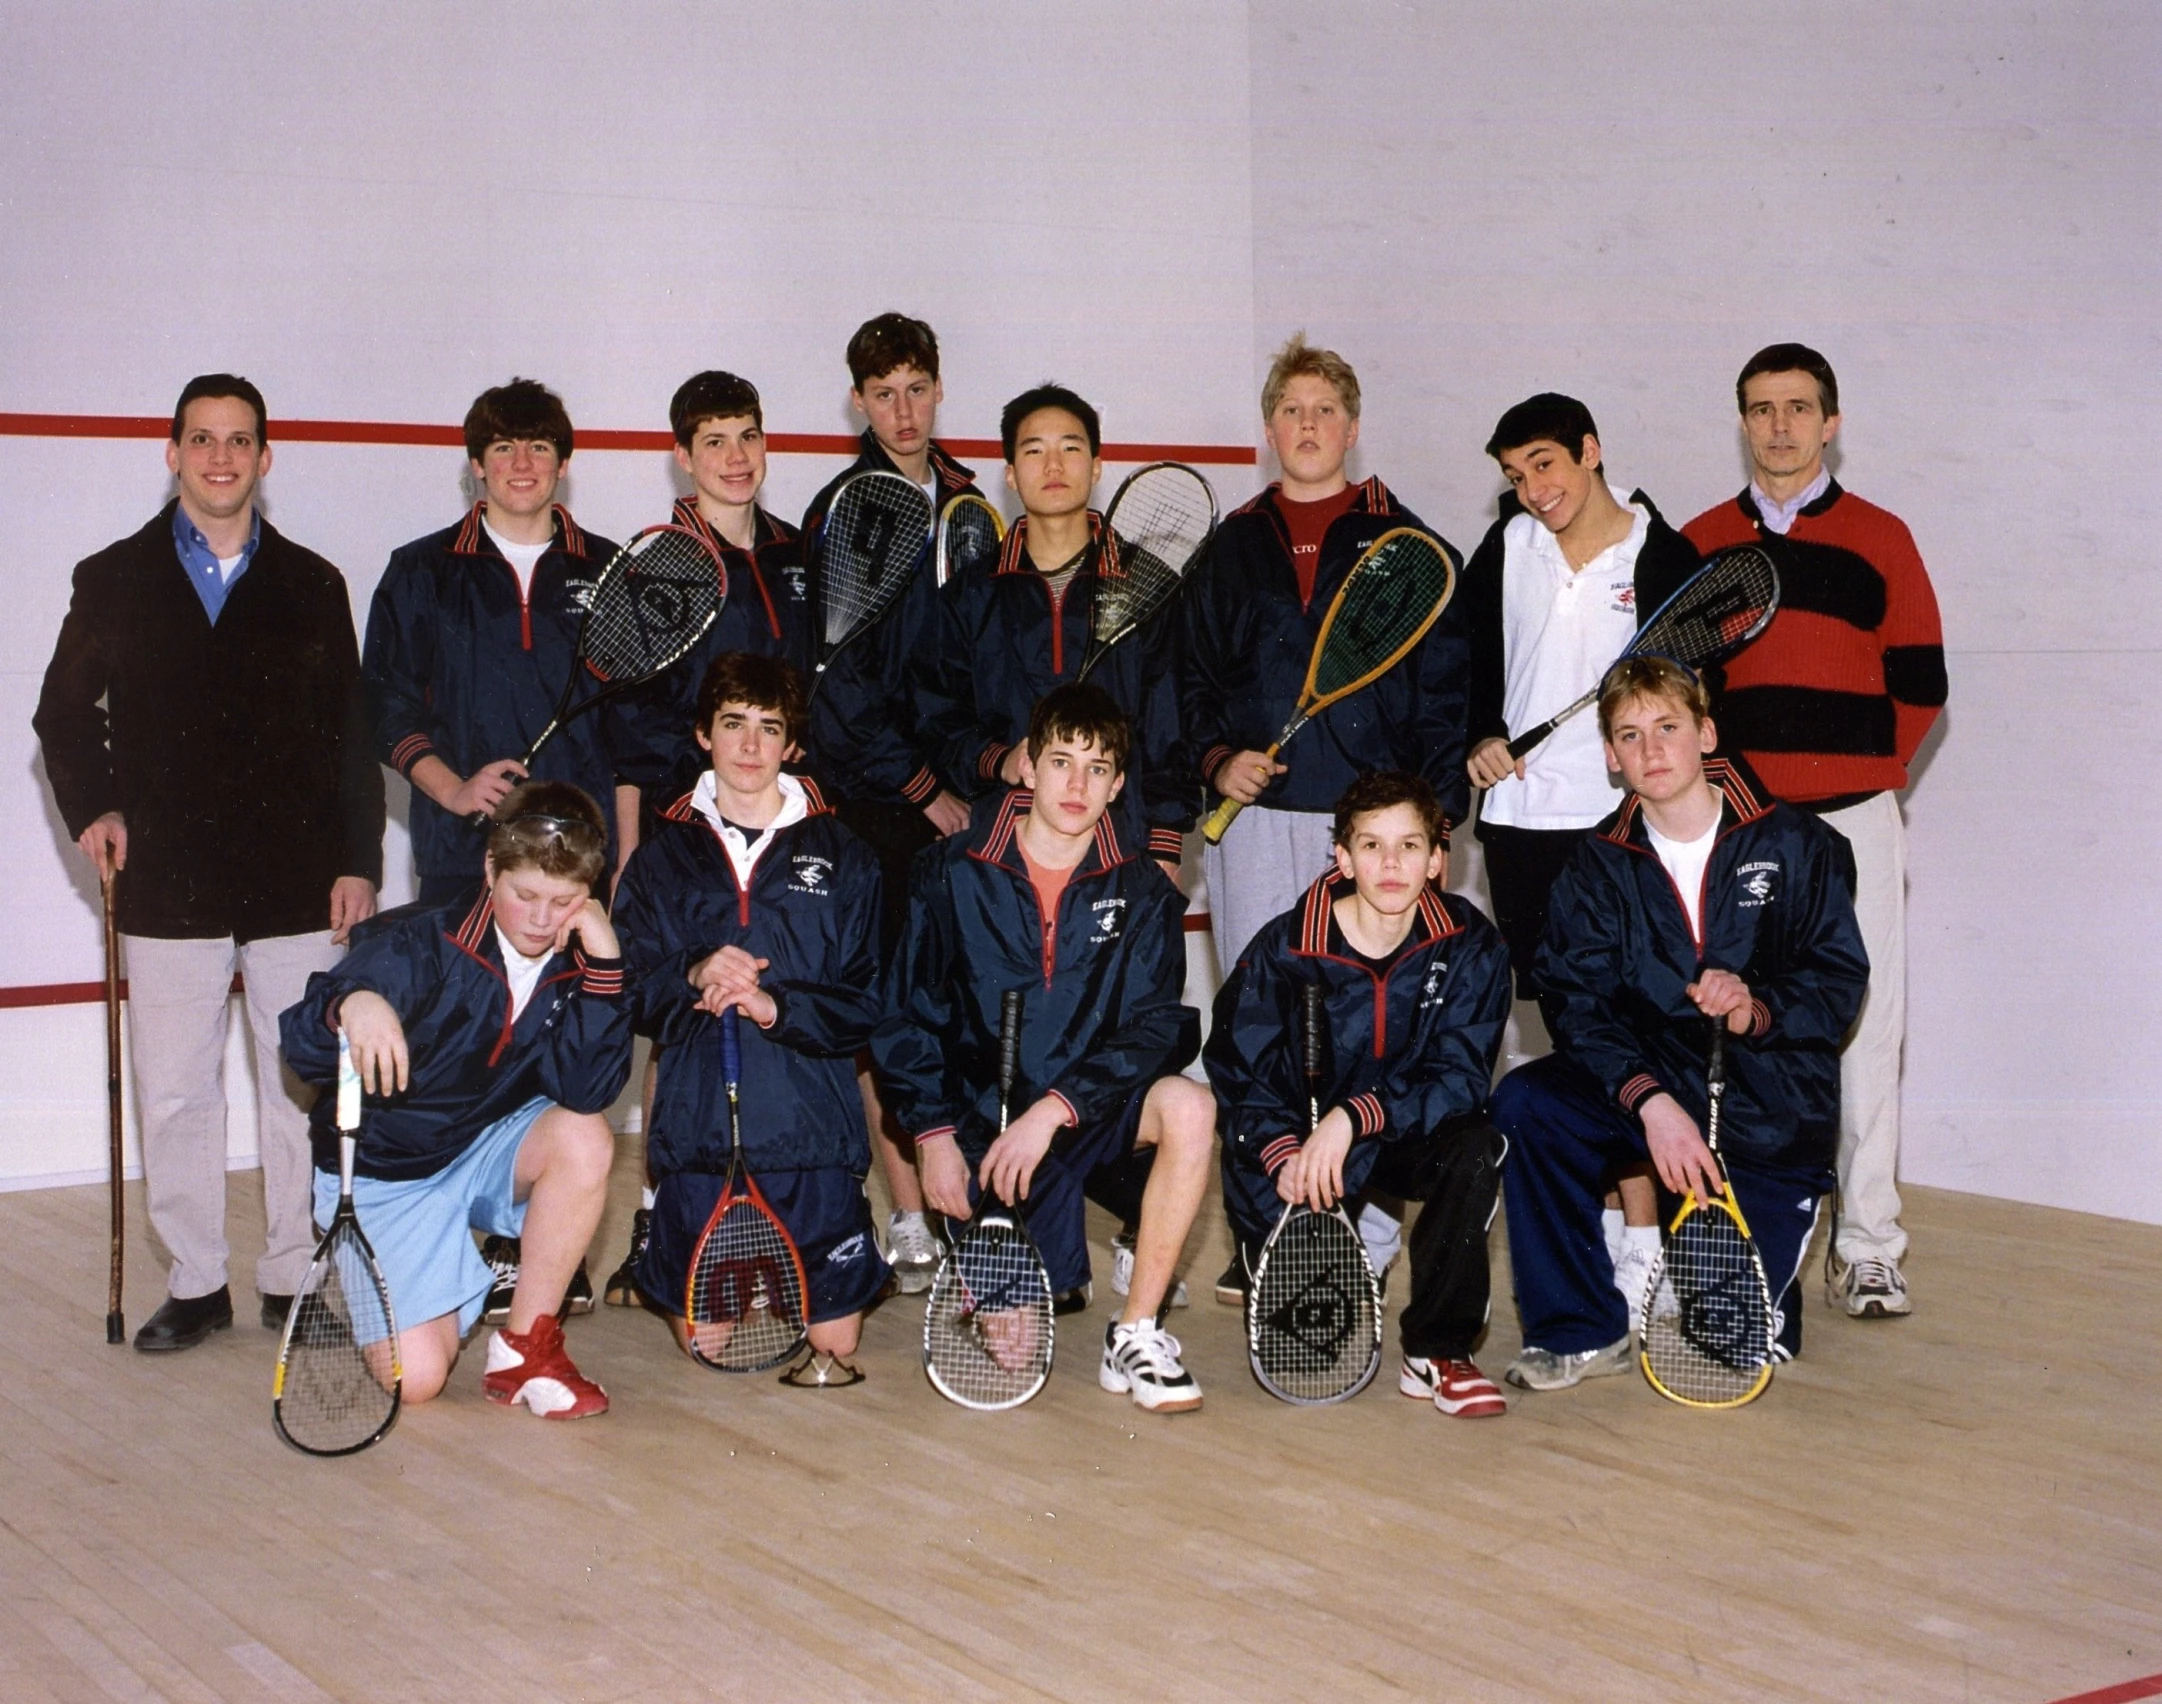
864	743
491	1035
470	640
1008	637
1415	989
1041	895
1699	901
752	895
720	431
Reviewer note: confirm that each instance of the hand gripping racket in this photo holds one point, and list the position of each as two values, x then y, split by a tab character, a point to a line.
1708	1325
652	602
970	534
1160	521
869	546
1393	594
1719	609
987	1333
744	1298
338	1379
1313	1316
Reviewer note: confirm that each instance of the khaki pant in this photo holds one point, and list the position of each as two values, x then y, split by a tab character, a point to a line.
177	1015
1869	1226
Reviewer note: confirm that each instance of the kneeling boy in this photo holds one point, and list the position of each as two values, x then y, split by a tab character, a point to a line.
1415	989
491	1036
1699	901
752	895
1042	894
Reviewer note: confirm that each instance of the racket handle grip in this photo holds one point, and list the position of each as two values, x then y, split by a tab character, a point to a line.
731	1047
1009	1042
1220	820
348	1086
1310	1008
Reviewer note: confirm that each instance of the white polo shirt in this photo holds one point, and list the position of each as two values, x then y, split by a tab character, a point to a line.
1562	628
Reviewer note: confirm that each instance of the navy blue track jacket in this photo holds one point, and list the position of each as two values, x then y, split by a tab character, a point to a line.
1663	567
1247	643
441	969
1101	1017
767	613
863	739
1778	911
462	665
1005	641
812	910
1404	1050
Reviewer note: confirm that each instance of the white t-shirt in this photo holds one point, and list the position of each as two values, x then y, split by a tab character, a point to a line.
226	565
1685	861
522	973
743	850
523	558
1561	630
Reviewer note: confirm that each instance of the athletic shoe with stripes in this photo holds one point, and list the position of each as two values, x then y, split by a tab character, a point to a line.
1457	1388
1141	1360
534	1368
1874	1289
1122	1271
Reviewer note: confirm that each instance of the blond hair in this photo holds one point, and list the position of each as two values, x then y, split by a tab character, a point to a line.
1300	359
1660	679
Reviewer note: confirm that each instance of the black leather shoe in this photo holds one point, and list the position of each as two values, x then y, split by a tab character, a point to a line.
183	1324
275	1308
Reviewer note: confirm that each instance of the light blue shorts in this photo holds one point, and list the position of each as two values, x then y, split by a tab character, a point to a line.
421	1228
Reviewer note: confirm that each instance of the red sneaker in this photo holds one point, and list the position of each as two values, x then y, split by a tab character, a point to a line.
534	1369
1455	1387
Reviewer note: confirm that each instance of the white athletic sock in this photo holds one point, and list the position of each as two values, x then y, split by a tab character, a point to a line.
1382	1234
1645	1237
1610	1222
646	1198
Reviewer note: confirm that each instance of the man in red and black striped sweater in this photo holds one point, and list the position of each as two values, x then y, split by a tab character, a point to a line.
1830	706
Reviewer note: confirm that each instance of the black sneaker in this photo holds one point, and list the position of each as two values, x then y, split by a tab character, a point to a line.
577	1294
622	1291
502	1256
1231	1283
1073	1301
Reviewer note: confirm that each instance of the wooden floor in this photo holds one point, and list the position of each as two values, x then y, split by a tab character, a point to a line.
1964	1505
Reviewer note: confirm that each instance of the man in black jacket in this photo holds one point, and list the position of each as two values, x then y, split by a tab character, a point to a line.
204	732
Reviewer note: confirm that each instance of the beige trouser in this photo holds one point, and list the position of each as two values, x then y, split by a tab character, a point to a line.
177	1013
1869	1226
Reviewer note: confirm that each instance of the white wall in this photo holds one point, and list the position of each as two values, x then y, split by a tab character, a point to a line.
1960	206
375	213
397	206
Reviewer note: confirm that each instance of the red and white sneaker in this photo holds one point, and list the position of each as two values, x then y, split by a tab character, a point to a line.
535	1370
1455	1387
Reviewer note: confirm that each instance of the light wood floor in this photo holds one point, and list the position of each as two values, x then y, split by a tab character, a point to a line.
1964	1505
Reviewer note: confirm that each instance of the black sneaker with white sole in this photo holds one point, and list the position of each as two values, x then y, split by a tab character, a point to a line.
504	1256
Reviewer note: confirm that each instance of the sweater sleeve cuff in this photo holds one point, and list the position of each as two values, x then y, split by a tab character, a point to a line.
410	751
1212	760
1639	1089
601	977
1167	843
1274	1154
1366	1115
1073	1115
1760	1017
937	1133
920	787
994	754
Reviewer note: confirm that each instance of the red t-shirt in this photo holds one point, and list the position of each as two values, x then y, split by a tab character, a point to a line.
1049	885
1309	522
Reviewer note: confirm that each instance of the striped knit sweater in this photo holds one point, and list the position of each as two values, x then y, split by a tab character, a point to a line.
1831	703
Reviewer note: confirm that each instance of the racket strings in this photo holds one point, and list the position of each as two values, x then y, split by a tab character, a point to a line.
969	539
1160	522
745	1309
868	545
338	1385
1314	1317
644	615
1716	612
1708	1331
1392	593
988	1329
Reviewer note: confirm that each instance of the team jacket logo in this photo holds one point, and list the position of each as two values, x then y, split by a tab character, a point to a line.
809	873
798	584
1108	915
1758	883
578	594
1430	993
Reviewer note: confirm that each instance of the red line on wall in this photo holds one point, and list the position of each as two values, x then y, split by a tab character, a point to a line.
398	432
2124	1692
67	993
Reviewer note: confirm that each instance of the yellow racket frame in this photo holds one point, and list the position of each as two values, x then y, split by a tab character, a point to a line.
940	569
1312	703
1723	1202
